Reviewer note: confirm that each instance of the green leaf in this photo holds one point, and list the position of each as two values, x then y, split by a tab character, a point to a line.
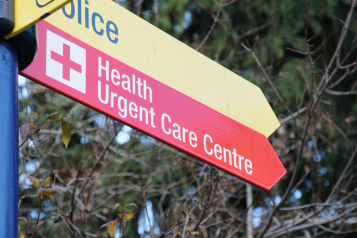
54	116
131	205
67	129
118	205
194	233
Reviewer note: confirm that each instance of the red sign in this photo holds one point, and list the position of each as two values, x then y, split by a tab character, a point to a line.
90	77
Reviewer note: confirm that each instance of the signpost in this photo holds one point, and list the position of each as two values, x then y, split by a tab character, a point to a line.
105	57
115	31
9	141
79	71
29	12
16	53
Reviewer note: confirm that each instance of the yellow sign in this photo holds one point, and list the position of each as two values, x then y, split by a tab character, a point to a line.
29	12
117	32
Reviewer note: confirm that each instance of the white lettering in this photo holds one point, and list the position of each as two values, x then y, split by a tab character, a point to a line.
126	84
123	111
133	83
225	151
139	87
176	133
183	134
205	145
133	107
115	75
152	114
106	68
112	96
240	160
248	164
235	158
145	89
217	149
193	137
142	109
163	124
100	93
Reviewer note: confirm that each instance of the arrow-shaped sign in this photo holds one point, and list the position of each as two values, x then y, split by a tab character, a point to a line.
126	37
93	78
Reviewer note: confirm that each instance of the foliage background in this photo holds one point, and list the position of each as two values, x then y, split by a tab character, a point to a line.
133	167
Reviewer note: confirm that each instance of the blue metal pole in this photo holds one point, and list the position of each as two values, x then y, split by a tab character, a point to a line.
9	140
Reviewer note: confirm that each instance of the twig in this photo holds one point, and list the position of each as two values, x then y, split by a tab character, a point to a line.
213	25
163	226
282	121
38	216
30	136
39	227
267	78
